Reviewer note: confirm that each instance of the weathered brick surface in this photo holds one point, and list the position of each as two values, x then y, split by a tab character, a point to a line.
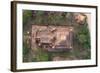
52	38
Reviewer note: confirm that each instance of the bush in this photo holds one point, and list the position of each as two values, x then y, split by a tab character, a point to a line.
42	55
83	36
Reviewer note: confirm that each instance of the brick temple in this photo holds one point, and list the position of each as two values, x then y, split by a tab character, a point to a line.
52	38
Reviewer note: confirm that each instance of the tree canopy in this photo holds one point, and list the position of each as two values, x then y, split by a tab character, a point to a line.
46	18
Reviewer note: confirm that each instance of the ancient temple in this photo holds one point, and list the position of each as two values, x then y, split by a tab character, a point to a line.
52	38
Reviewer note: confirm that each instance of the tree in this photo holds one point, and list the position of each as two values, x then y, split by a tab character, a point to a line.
27	16
83	35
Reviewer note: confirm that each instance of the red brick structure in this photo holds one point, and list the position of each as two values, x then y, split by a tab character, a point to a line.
52	38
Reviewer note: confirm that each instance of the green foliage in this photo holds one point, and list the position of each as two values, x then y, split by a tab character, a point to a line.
27	17
46	17
42	55
83	36
25	52
55	18
25	49
27	14
38	17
